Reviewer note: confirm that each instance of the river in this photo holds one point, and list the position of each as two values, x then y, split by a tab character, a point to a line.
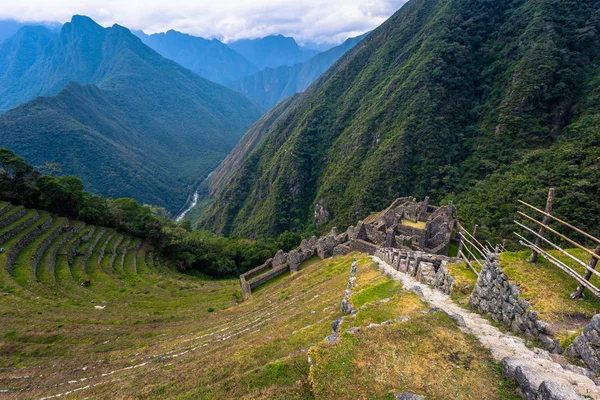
194	203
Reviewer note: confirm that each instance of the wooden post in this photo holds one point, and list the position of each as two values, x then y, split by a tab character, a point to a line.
475	233
545	221
588	274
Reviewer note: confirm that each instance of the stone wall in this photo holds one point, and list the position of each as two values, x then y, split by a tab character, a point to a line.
6	208
15	230
39	253
501	299
426	268
4	222
587	345
24	241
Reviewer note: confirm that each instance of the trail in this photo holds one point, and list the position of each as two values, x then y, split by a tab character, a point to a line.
529	366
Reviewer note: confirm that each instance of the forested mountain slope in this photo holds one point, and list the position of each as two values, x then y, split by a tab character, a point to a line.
273	85
210	59
134	125
480	102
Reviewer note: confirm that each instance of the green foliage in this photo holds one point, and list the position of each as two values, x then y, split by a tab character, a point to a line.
125	120
478	102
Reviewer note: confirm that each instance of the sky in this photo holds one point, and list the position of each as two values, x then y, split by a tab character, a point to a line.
318	21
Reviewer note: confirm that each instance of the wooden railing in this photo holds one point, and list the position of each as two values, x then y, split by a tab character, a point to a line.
541	239
472	250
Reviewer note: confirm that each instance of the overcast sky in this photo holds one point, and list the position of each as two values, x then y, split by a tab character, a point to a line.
321	21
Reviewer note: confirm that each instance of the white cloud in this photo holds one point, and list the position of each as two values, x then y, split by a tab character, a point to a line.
306	20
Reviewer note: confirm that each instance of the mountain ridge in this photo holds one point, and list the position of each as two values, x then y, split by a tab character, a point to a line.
179	124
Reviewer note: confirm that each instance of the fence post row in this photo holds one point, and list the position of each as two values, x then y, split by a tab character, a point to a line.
584	281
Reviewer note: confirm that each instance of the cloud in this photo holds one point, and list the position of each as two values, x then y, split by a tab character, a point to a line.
307	20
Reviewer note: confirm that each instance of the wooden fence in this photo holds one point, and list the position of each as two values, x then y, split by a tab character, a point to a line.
472	250
541	238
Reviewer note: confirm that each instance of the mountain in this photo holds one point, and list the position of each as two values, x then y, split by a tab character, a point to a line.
270	86
9	27
210	59
127	121
272	51
477	102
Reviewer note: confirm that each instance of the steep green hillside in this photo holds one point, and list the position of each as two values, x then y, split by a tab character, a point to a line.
271	86
135	125
272	51
481	102
210	59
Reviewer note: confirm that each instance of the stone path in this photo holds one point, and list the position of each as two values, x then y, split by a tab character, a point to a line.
538	375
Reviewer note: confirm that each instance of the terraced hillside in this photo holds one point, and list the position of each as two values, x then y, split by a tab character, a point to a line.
90	313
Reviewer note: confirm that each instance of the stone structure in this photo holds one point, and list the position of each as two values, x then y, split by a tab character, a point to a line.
587	345
406	224
496	296
426	268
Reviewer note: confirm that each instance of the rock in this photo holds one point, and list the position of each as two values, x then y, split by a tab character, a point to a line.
417	289
313	312
529	380
353	330
346	307
332	338
551	390
408	396
371	326
336	324
402	318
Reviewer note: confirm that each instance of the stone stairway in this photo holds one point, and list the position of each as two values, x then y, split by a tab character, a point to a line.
537	372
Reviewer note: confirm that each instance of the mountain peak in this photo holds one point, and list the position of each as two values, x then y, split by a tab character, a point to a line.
81	21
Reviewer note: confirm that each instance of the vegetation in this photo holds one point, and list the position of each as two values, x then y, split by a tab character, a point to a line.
475	102
547	288
125	120
202	251
404	356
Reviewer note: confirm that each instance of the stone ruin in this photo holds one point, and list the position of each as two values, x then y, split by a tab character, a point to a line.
407	225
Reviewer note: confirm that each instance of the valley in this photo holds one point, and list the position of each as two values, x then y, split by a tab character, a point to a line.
391	200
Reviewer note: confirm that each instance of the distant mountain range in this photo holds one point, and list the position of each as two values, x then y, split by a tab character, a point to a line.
210	59
272	51
127	121
273	85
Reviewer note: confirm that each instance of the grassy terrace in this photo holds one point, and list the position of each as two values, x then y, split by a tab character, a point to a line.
426	354
547	288
142	329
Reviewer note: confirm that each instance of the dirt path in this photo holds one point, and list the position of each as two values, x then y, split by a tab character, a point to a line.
529	366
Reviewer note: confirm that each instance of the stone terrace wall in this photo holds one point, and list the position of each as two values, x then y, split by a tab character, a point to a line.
587	345
496	296
426	268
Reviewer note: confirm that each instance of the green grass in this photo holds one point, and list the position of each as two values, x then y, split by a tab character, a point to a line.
381	291
418	225
548	289
465	281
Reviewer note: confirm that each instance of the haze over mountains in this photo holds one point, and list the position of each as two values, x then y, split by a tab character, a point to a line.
273	85
210	59
272	51
127	121
479	102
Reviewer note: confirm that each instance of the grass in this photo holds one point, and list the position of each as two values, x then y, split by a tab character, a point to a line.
141	329
547	288
381	291
413	224
465	281
427	355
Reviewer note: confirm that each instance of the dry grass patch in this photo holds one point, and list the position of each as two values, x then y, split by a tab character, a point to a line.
547	288
427	355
